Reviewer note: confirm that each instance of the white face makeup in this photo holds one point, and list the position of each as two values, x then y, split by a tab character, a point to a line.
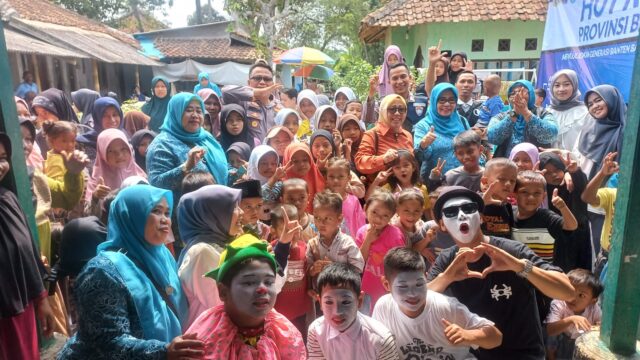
464	227
340	307
409	291
253	291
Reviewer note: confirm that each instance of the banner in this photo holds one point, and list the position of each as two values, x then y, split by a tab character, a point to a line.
596	38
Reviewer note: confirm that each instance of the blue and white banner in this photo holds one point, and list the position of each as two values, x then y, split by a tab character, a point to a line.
596	38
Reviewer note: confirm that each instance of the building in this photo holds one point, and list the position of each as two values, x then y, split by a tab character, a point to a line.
68	51
495	34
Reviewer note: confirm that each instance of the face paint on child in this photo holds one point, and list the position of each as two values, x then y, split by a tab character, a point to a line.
463	227
340	307
253	291
409	291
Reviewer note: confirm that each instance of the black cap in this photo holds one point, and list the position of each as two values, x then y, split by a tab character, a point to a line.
250	189
450	192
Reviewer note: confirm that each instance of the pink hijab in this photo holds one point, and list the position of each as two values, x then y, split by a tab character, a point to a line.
384	87
204	94
113	177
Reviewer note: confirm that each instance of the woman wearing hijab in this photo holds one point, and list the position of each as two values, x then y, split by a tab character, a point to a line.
521	123
205	83
106	115
570	112
379	146
342	96
23	297
135	121
129	298
443	120
34	158
234	126
156	107
206	232
213	105
140	142
603	135
51	105
307	106
184	146
392	56
457	65
84	99
303	167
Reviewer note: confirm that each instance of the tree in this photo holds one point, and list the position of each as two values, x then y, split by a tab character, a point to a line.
110	11
208	15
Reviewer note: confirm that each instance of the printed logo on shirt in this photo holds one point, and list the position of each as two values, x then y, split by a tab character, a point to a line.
295	270
419	107
419	350
496	293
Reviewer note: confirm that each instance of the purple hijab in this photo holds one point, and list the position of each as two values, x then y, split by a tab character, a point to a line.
384	87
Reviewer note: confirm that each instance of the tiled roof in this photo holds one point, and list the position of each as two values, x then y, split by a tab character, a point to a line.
415	12
215	49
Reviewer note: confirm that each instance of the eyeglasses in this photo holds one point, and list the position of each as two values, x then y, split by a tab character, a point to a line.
453	211
259	78
397	109
442	101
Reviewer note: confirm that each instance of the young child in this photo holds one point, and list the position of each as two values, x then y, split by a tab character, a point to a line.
195	180
417	233
468	149
493	105
325	118
498	183
234	126
296	192
263	166
237	155
375	239
351	133
570	319
555	170
343	332
338	176
251	205
292	301
354	107
246	326
290	119
61	137
542	230
299	162
307	106
427	324
279	137
140	142
525	156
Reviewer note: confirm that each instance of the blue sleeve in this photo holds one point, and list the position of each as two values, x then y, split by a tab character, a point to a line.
500	129
272	193
108	317
164	168
544	130
495	105
419	131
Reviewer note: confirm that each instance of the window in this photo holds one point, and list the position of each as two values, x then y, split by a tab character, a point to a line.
477	45
531	44
504	45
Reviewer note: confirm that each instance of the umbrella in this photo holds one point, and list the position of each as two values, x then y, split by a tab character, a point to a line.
315	72
304	56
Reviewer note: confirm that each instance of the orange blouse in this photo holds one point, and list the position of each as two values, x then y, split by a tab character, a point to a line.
369	156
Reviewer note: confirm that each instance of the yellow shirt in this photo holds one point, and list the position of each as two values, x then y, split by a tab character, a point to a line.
304	130
54	166
607	200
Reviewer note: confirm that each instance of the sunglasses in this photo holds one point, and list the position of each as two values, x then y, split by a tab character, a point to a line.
259	78
453	211
397	109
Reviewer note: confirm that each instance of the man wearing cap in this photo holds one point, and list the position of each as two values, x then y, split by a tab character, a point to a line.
495	278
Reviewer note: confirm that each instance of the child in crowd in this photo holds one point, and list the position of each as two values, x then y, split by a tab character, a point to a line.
338	175
195	180
290	119
326	118
427	324
570	319
493	105
279	137
245	326
263	166
307	106
140	141
299	163
251	205
525	156
351	133
237	155
322	147
292	301
442	239
61	137
343	332
234	127
354	107
555	170
296	192
468	149
417	233
375	239
331	244
498	183
542	230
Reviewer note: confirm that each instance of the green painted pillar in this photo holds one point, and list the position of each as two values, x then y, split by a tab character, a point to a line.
621	308
18	179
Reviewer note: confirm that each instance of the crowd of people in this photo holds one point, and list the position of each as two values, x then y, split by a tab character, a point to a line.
428	221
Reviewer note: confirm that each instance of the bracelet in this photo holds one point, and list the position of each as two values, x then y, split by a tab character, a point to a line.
528	267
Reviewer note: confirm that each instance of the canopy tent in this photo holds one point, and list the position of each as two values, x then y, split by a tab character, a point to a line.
228	73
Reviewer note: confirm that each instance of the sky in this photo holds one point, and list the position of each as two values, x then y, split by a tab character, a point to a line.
181	9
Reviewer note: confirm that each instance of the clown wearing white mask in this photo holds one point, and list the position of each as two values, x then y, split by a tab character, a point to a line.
495	278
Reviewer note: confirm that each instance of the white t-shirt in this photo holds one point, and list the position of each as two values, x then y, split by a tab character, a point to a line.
423	337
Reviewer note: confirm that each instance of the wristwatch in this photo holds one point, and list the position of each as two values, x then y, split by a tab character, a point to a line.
528	266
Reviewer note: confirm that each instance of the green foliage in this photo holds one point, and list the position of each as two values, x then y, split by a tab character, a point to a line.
354	72
111	10
209	15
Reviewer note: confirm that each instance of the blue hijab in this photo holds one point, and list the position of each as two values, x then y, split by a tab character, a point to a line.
156	107
210	85
520	124
99	107
447	126
214	156
125	234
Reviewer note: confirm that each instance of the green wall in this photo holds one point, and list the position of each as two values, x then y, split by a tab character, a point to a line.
458	36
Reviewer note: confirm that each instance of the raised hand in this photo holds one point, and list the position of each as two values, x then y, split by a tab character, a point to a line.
429	138
500	260
193	157
609	165
322	163
390	156
434	53
454	333
469	65
488	195
570	164
374	80
458	270
557	200
75	161
263	94
101	190
382	177
292	229
437	171
521	103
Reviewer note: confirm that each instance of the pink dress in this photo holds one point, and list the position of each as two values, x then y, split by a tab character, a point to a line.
390	237
353	214
280	340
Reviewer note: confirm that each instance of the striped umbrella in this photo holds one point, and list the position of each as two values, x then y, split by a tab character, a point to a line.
304	56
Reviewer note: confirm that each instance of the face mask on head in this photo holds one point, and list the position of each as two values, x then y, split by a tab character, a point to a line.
461	219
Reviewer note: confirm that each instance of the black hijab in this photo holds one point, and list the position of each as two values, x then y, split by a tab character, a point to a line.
226	139
136	139
80	239
57	102
453	75
21	270
325	134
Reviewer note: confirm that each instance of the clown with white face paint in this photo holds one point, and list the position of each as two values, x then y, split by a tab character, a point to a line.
493	276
